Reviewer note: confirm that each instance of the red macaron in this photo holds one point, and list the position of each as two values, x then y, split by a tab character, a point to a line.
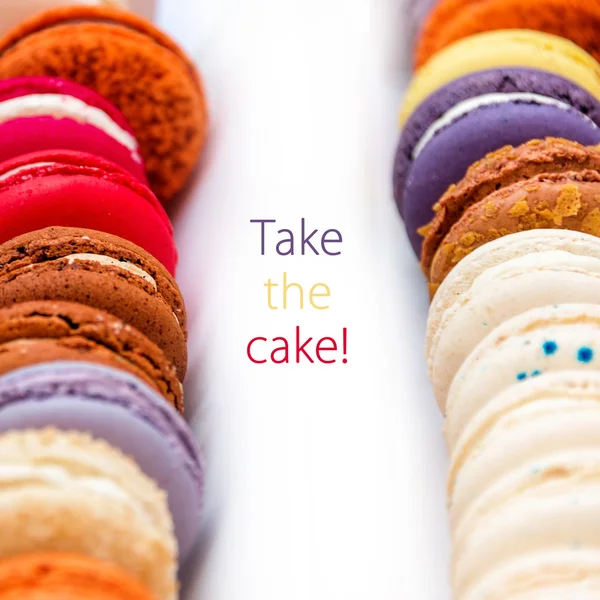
75	189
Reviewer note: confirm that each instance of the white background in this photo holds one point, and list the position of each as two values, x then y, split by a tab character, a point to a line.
324	482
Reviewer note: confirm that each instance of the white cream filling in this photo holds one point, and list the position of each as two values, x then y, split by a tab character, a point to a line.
466	106
18	170
111	262
62	106
58	476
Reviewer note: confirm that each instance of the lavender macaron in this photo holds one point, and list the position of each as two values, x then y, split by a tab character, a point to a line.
481	112
125	412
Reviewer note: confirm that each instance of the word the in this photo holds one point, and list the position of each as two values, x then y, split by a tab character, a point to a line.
298	350
319	290
288	243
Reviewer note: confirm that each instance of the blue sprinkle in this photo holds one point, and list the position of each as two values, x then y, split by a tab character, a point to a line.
521	376
536	373
585	355
550	348
485	323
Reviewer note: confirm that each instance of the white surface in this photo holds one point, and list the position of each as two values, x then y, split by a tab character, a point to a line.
325	482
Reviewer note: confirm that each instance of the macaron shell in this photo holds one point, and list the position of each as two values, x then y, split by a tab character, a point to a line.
501	80
505	48
61	576
532	344
51	265
452	20
17	354
68	189
446	158
501	293
129	58
23	136
568	200
34	332
496	171
120	409
523	483
495	253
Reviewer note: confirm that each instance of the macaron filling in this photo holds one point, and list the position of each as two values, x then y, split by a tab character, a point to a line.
109	261
464	108
56	476
19	170
62	106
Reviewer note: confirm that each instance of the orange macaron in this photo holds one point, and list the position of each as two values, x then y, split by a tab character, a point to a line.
66	577
134	65
452	20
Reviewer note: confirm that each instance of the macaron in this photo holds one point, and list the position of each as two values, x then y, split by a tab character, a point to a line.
452	20
546	339
102	271
135	66
43	331
524	493
43	113
62	576
504	48
543	184
67	492
475	115
75	189
526	275
116	407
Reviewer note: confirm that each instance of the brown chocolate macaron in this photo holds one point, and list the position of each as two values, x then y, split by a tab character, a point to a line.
102	271
485	197
47	331
130	62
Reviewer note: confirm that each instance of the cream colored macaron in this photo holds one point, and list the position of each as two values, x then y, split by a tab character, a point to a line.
539	341
524	493
66	492
499	281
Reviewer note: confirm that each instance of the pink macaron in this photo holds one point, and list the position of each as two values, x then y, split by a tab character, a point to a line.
47	113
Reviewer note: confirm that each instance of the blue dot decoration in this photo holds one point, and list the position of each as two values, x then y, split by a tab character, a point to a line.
521	376
536	373
585	354
550	347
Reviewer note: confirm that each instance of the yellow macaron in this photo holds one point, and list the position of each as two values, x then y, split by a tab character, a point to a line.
504	48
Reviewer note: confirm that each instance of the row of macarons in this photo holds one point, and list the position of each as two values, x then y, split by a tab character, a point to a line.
513	349
102	121
498	169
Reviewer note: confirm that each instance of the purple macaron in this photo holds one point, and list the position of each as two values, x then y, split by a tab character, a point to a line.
122	410
479	113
